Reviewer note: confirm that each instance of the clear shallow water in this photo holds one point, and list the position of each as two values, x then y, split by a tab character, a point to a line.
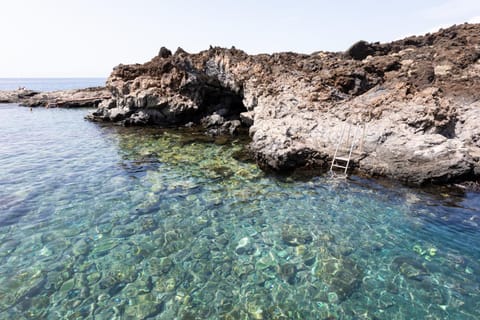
125	223
50	84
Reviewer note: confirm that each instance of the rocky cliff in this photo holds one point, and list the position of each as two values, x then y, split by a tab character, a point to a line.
416	103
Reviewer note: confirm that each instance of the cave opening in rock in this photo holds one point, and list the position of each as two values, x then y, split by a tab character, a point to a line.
223	102
220	110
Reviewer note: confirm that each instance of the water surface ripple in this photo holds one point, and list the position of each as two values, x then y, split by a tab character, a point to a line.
102	222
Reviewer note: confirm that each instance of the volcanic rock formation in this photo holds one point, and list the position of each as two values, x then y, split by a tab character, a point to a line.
416	99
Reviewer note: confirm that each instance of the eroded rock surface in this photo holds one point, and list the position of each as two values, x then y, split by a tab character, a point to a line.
417	97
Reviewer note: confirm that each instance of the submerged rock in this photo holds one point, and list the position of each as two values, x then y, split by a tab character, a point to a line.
342	275
22	287
81	247
145	306
410	268
244	246
295	236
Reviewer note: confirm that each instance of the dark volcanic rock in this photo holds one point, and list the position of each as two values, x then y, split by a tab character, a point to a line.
164	53
417	97
361	50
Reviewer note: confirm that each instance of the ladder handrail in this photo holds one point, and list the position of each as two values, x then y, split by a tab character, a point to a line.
338	146
362	141
348	134
352	146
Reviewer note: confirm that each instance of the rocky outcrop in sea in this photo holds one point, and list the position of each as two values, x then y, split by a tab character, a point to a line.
415	101
75	98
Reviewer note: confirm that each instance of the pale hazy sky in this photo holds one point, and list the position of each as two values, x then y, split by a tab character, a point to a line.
82	38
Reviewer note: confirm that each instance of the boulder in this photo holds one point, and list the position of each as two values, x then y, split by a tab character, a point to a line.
360	50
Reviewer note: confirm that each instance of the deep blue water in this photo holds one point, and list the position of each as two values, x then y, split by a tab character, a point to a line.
50	84
104	222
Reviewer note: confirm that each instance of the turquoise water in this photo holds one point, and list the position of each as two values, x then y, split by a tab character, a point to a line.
50	84
103	222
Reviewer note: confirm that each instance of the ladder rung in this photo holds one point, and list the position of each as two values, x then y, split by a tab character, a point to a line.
338	166
342	158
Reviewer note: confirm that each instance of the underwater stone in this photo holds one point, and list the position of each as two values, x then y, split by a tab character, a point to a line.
243	155
104	228
122	231
294	235
165	285
147	224
243	269
143	306
300	250
309	257
116	288
8	247
22	288
67	286
255	311
410	268
145	284
202	252
170	284
288	271
103	246
341	274
332	297
222	140
93	277
244	247
112	284
81	247
266	261
218	171
38	307
125	272
159	266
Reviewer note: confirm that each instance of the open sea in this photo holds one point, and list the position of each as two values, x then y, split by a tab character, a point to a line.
50	84
104	222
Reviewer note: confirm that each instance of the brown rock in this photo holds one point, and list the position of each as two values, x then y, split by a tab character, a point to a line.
416	96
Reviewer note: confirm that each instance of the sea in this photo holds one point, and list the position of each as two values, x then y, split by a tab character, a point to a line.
105	222
50	84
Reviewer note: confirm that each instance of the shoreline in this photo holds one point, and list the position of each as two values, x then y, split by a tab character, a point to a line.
407	110
198	134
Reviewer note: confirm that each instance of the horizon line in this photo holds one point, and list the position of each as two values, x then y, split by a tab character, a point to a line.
54	77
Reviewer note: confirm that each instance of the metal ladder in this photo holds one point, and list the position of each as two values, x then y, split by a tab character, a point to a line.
343	161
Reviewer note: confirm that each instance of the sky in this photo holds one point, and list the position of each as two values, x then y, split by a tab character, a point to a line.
87	38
